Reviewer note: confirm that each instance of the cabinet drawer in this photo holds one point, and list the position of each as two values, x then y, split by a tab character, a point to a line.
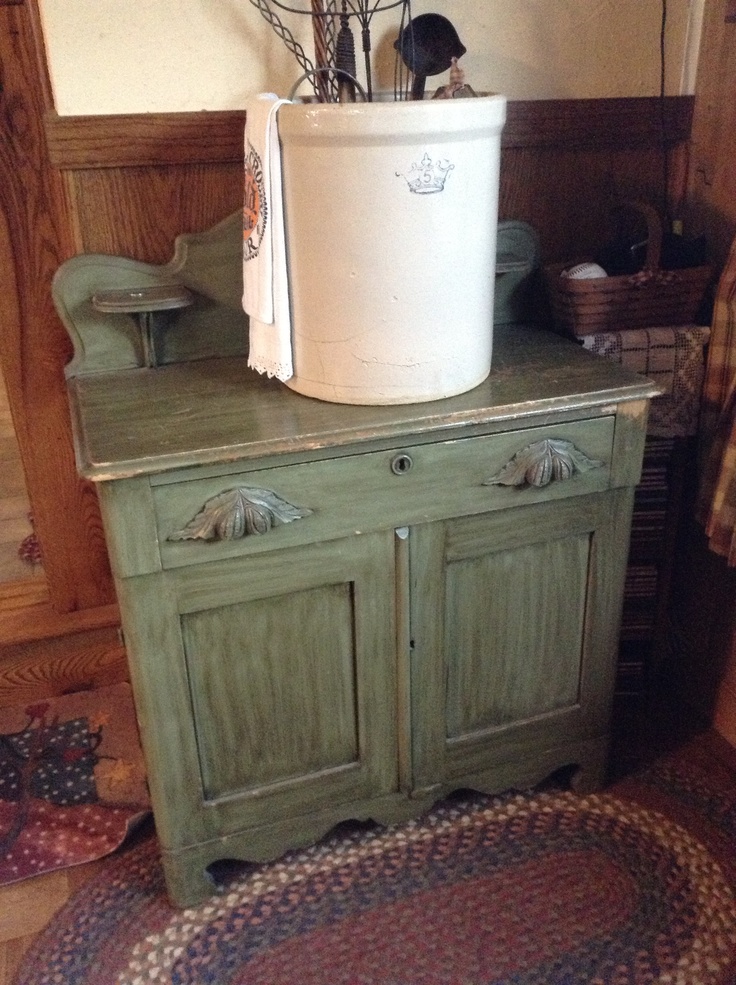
204	519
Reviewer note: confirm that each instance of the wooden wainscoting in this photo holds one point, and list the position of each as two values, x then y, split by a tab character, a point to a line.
135	182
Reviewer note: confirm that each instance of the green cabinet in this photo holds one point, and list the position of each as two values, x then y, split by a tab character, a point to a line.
347	612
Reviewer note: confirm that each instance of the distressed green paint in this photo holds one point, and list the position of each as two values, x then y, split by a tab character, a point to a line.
412	631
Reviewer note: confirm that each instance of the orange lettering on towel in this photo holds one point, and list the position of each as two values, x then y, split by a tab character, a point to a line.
254	205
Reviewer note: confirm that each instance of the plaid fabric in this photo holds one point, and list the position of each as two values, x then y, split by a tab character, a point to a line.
716	506
673	358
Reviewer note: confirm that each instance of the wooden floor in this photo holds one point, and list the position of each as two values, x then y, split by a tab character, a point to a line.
14	507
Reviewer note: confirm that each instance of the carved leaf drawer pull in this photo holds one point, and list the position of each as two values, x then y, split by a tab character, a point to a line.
543	462
239	512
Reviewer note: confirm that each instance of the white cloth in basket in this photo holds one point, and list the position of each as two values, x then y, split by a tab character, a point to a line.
265	272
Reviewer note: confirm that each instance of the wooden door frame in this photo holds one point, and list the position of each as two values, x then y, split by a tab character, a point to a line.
35	237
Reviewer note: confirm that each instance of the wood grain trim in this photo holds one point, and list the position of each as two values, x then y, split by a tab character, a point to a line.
36	670
26	614
145	139
599	123
43	79
149	139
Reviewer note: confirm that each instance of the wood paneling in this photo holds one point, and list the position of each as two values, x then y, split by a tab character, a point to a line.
138	181
577	124
77	142
566	163
712	184
144	139
139	211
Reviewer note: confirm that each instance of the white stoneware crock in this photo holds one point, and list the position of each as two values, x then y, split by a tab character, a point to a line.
391	211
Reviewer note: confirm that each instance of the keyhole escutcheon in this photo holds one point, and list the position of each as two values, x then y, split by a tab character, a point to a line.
401	464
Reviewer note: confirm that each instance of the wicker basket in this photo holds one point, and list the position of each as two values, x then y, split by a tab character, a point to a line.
651	297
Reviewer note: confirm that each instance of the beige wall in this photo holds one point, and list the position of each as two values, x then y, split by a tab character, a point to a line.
119	56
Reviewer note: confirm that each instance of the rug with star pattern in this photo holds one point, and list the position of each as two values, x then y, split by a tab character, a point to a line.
72	780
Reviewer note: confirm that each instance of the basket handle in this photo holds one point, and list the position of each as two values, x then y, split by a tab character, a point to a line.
654	231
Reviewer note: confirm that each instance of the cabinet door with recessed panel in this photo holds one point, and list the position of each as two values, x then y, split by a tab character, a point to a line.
266	689
514	624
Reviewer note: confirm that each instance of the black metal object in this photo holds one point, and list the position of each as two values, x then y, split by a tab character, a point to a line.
340	48
427	46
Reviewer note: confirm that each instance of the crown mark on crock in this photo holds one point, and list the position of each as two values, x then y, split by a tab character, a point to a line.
428	177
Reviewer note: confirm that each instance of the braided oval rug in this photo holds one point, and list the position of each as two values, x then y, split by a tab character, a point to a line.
634	885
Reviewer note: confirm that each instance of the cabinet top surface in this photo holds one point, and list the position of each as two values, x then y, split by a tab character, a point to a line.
144	421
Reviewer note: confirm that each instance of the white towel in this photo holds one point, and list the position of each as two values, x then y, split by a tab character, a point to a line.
265	275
